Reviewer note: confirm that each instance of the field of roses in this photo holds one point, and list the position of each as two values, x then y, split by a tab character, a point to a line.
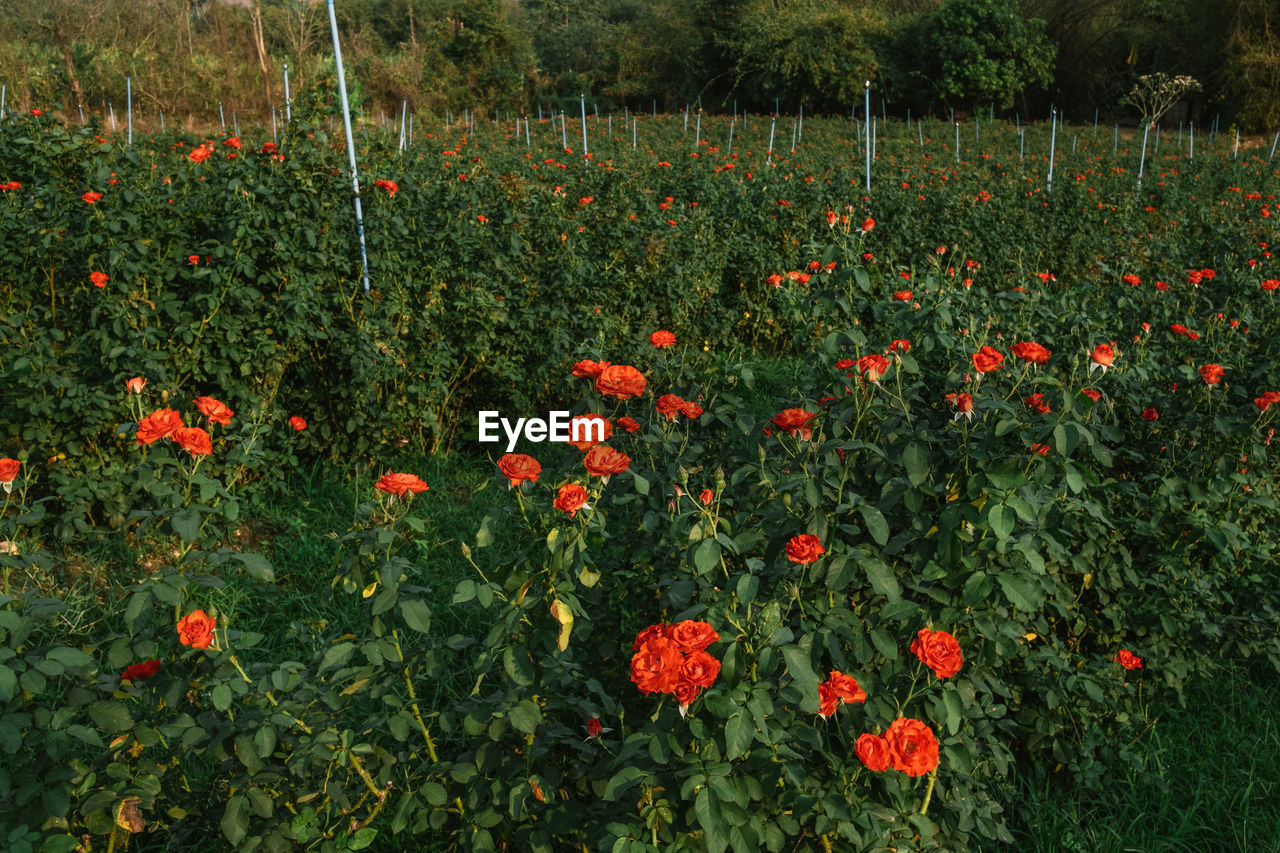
1017	495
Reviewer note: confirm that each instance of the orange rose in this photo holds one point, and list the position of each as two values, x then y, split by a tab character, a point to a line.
194	440
939	651
671	405
9	470
518	467
135	385
196	629
987	359
791	420
685	692
214	410
1211	373
589	369
1103	355
691	410
655	668
662	339
846	687
571	498
873	366
828	701
298	423
602	460
99	279
804	549
867	225
700	669
621	381
913	749
400	485
1032	352
650	633
157	425
693	636
630	424
587	431
873	751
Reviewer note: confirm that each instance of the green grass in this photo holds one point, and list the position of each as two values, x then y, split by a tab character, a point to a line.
1207	780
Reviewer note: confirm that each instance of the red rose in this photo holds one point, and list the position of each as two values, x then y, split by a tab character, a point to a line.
685	692
691	410
699	669
400	484
196	629
1150	414
987	359
791	420
873	751
571	498
135	385
140	671
804	549
91	197
298	423
662	339
214	410
867	225
99	279
706	497
587	432
873	366
939	651
390	186
828	701
1128	659
594	727
602	460
846	687
1093	395
518	467
628	423
621	381
913	749
655	668
194	440
902	296
652	632
1211	373
200	153
157	425
670	405
1031	352
1270	284
9	470
692	636
1103	356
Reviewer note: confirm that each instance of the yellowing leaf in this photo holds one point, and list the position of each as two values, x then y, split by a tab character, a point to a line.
370	589
561	613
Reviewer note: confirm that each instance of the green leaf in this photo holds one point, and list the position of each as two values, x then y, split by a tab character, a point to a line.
875	523
336	655
416	613
1001	519
976	589
362	839
8	683
707	555
70	657
916	460
235	820
258	566
748	586
622	780
801	670
186	523
642	485
739	731
525	716
248	754
706	806
221	696
881	577
1019	591
111	716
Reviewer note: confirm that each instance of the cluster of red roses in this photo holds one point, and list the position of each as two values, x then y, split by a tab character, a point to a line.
167	423
673	659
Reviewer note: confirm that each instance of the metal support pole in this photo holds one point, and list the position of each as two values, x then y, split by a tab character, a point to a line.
351	144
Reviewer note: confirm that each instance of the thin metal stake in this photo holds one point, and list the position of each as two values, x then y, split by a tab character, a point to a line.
351	143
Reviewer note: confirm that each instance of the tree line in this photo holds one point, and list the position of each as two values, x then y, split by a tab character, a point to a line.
186	57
